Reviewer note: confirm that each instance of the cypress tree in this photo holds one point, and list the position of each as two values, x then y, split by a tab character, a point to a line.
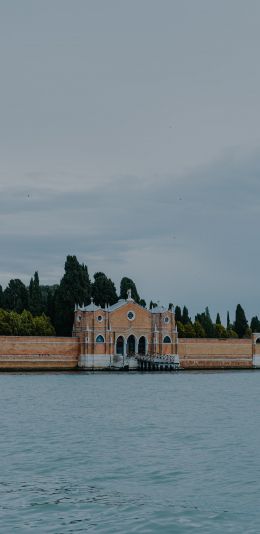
241	324
218	320
127	283
74	288
178	314
15	296
228	321
35	296
103	290
255	324
185	315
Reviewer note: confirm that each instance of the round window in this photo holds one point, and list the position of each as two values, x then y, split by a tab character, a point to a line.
166	319
99	318
131	315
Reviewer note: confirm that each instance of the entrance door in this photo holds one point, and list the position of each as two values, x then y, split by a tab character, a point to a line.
142	345
120	345
130	348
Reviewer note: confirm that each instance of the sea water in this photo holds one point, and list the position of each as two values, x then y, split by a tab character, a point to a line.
130	452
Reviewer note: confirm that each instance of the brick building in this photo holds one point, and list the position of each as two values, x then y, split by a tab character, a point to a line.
114	334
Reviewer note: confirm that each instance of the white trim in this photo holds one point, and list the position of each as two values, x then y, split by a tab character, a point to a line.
132	318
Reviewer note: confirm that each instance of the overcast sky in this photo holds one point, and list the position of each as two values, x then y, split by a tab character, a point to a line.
129	136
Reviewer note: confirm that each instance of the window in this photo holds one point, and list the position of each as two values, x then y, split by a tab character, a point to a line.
167	339
100	339
131	315
99	318
166	319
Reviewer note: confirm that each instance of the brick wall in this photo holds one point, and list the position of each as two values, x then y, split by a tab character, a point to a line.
21	352
215	353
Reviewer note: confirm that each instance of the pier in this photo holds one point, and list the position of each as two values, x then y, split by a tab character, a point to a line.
155	362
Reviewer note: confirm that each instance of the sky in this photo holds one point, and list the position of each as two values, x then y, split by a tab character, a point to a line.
129	136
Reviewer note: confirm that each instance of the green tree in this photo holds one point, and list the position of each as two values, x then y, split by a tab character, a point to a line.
75	288
26	324
198	329
1	297
35	295
189	330
220	331
206	322
231	333
142	303
103	290
170	307
127	283
15	296
255	324
228	321
185	315
218	320
43	326
5	327
178	314
241	324
152	305
181	329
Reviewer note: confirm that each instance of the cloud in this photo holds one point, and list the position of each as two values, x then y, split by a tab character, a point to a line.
203	226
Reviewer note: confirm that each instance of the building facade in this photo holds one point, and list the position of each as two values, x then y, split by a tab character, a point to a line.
114	336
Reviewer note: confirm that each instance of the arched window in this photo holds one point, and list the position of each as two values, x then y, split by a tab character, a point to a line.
100	339
167	339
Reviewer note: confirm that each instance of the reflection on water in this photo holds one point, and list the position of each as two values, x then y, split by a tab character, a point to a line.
130	453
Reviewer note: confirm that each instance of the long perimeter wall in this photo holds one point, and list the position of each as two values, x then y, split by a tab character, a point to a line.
46	353
22	352
215	353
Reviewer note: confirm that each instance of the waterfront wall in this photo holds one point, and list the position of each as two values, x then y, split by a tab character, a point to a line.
46	353
215	353
42	353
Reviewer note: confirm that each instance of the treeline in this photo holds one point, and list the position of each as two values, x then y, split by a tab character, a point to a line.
24	324
55	304
204	326
48	309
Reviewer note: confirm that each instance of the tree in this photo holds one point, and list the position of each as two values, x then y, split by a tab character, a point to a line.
125	285
220	331
185	315
152	305
43	326
199	330
218	320
231	333
15	296
206	322
1	297
75	288
255	324
189	330
103	290
170	307
35	296
178	314
241	324
228	320
181	329
142	303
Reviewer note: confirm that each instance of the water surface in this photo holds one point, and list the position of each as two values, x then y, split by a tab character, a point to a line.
148	453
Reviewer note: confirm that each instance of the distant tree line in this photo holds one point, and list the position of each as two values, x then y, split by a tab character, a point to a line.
48	309
53	305
204	326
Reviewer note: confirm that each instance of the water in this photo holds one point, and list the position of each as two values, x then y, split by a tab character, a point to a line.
146	453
